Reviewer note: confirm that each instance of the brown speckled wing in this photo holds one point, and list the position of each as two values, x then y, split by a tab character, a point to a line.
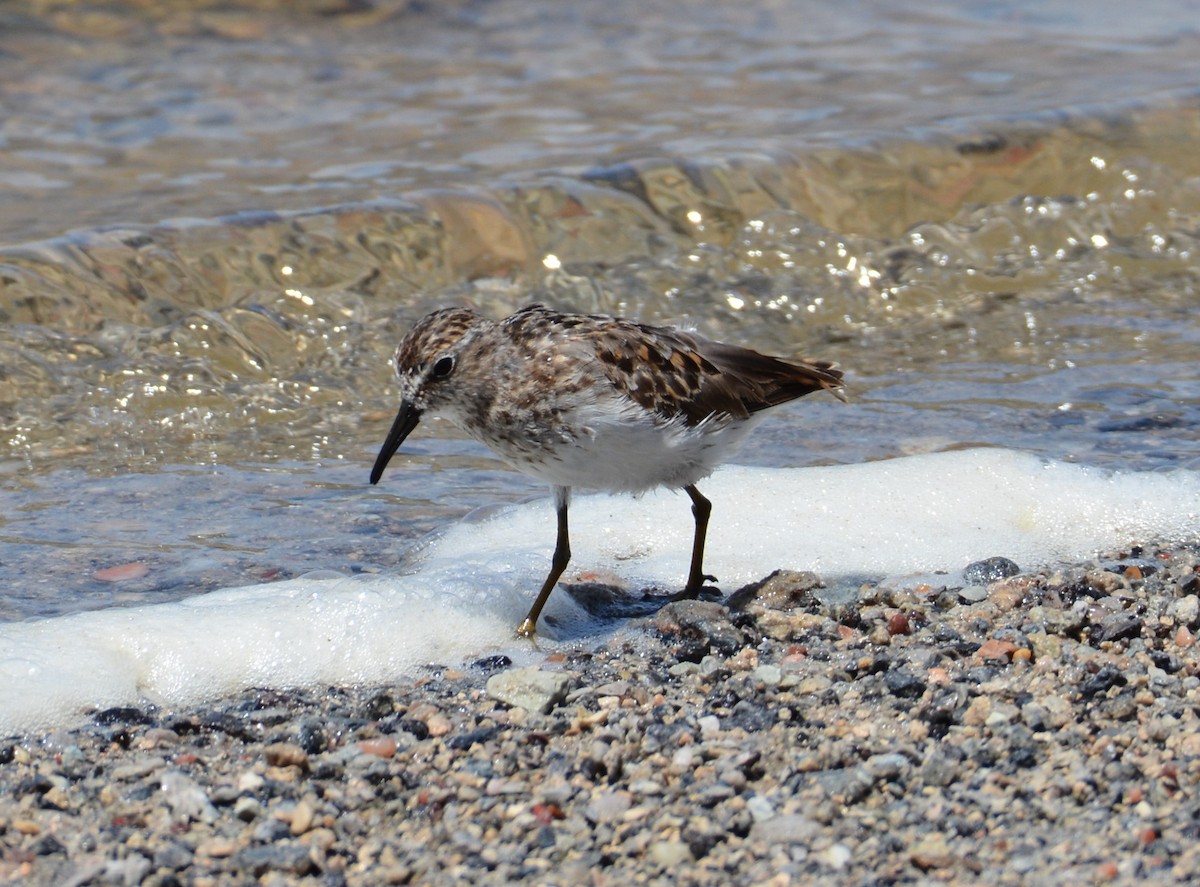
759	381
673	373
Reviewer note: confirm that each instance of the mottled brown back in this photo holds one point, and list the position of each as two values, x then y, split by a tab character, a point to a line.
701	377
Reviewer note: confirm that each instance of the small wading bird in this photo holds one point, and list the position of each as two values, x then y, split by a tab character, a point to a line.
581	400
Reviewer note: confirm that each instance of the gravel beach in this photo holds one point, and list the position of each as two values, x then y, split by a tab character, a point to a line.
1034	728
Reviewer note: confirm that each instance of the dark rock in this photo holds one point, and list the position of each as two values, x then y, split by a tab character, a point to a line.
491	663
903	683
989	570
1023	756
943	709
125	715
379	706
751	716
48	845
312	737
1168	662
230	725
1117	626
463	741
1102	681
417	728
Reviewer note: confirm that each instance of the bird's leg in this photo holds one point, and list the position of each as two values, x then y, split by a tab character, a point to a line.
558	563
701	509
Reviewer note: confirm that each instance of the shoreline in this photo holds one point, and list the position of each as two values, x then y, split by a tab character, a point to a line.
1040	729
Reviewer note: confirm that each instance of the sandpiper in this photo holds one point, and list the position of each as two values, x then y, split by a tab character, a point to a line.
585	400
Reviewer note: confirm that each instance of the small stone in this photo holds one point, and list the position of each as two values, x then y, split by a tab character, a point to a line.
903	683
1007	594
613	688
1104	581
135	770
172	855
972	594
978	711
438	724
286	754
770	675
250	782
885	767
789	828
1185	610
497	786
302	818
931	852
993	648
759	808
941	766
247	809
380	746
122	572
187	800
670	854
1045	646
217	848
530	688
838	856
287	857
56	798
607	806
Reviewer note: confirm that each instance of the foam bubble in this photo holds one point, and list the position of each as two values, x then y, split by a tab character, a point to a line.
475	582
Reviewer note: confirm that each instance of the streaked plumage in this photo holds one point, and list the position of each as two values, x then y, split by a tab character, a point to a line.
593	401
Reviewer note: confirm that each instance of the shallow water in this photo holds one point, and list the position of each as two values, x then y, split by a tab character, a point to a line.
899	521
987	214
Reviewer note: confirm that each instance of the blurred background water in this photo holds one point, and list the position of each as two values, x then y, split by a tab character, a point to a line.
217	219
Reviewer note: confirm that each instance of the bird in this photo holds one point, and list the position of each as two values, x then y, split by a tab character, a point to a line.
594	402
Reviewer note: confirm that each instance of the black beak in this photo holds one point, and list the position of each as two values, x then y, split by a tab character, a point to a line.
406	421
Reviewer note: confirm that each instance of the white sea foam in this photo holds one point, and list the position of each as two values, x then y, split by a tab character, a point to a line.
474	583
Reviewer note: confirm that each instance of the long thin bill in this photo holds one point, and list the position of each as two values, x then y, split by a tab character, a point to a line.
406	421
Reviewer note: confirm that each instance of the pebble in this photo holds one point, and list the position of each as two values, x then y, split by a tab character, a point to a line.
530	688
774	743
285	754
122	572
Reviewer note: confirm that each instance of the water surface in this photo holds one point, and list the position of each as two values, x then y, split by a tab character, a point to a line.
217	220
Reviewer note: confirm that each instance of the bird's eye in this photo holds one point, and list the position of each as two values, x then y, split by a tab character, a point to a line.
444	367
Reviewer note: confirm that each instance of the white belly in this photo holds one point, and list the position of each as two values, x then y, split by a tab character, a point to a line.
627	451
